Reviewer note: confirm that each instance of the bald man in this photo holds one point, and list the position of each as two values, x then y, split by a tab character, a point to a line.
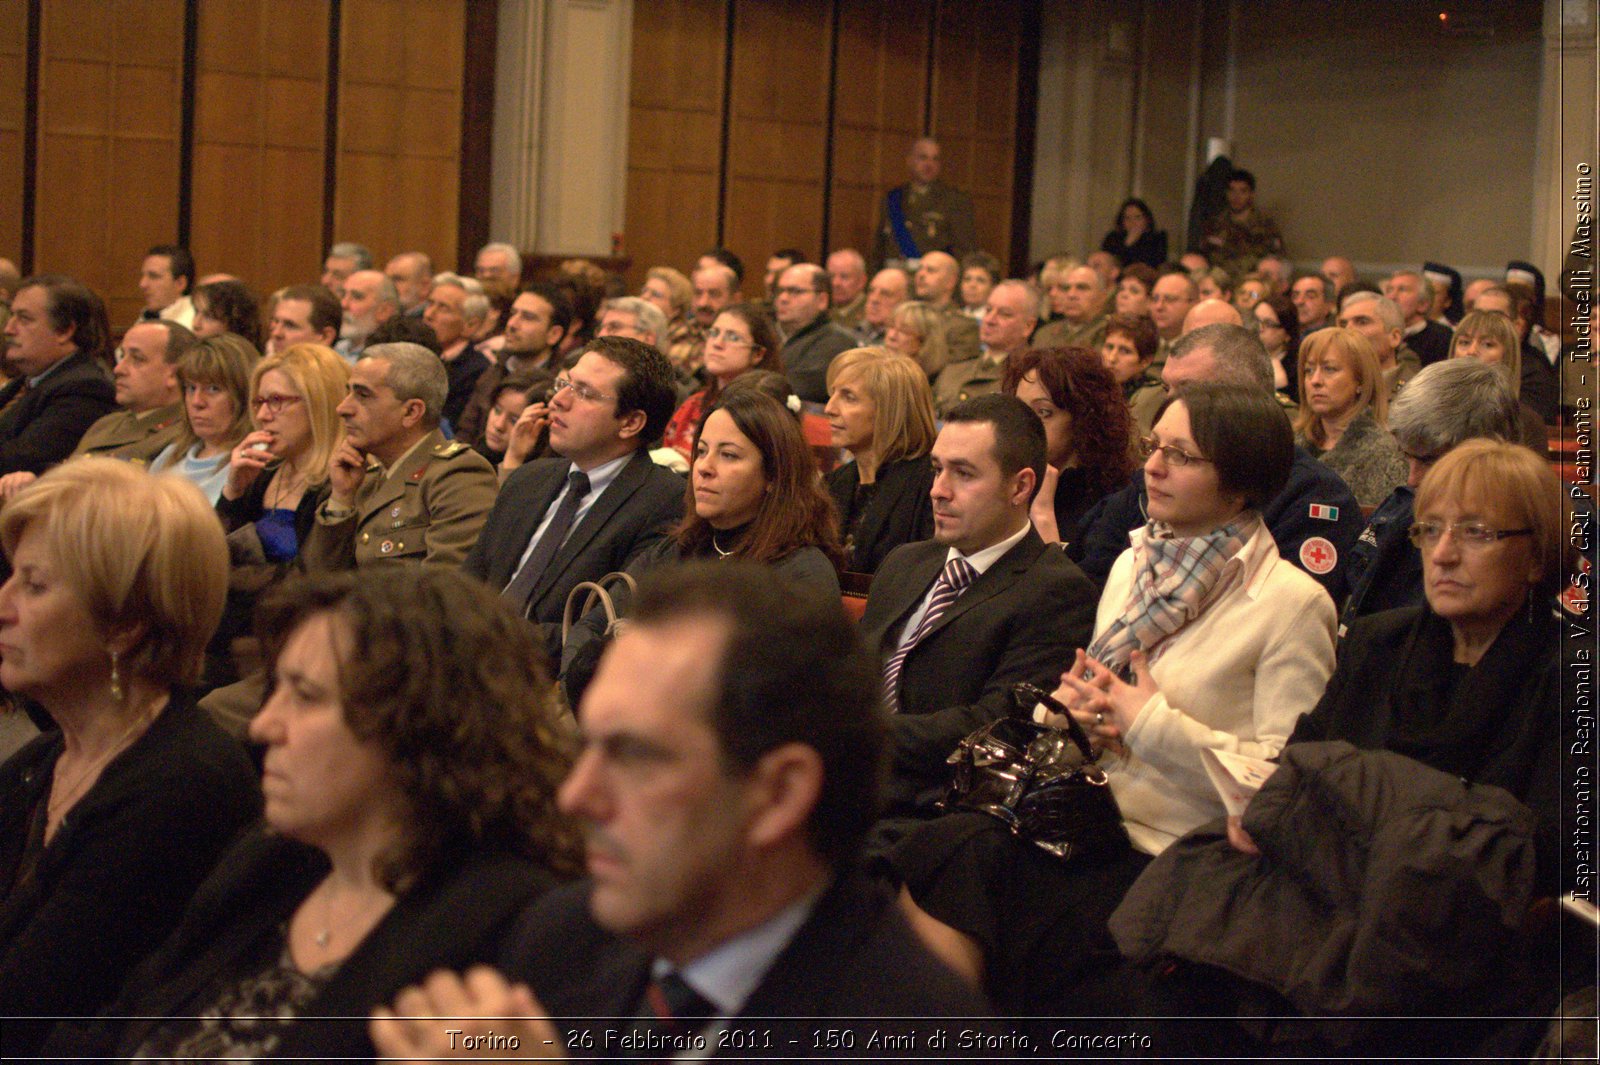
1211	312
935	283
1340	271
925	214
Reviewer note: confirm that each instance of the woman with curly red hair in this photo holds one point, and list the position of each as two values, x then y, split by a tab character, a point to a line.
1086	424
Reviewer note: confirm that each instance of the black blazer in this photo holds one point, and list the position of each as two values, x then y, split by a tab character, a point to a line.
452	919
900	511
114	880
632	513
853	957
1020	620
45	425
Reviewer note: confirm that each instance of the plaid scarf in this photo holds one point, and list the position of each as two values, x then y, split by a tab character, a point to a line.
1174	578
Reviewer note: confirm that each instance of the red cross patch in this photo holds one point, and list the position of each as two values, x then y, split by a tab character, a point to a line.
1318	555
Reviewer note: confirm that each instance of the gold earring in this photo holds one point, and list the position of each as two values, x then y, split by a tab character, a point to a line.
116	680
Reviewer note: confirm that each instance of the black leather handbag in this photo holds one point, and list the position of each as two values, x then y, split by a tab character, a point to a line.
1041	781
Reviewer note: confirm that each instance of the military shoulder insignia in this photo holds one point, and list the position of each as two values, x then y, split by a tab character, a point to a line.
450	449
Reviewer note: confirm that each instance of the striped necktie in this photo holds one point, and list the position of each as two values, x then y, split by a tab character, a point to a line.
953	580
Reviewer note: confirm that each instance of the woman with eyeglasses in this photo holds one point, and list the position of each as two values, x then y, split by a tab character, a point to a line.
1205	639
1278	325
215	377
277	477
1467	684
743	337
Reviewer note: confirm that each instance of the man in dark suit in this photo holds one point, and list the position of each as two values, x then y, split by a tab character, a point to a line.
542	539
56	341
1019	609
732	744
811	339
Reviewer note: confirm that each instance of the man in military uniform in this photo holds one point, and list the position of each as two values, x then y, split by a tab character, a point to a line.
1080	296
936	283
849	273
398	488
1009	318
925	214
1240	235
146	377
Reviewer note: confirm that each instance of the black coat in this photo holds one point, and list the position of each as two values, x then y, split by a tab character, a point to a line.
853	957
44	426
452	919
632	513
1020	620
900	511
114	880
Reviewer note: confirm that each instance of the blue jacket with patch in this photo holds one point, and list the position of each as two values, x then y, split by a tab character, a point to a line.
1288	516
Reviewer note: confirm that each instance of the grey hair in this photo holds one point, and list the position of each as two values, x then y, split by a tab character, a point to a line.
1031	291
1388	310
647	314
1327	285
1239	354
1451	402
349	249
414	373
387	293
509	251
475	308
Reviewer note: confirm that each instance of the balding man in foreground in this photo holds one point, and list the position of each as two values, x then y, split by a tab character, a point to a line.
1315	519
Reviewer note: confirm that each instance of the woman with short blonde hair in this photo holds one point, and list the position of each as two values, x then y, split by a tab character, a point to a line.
917	331
1343	409
110	820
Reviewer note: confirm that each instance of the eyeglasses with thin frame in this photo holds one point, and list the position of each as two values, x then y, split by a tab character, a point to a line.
1472	535
579	389
275	403
1171	454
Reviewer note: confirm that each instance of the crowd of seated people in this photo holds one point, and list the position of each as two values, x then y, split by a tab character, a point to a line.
309	732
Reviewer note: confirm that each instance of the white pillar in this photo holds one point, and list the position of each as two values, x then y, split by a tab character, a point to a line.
1566	128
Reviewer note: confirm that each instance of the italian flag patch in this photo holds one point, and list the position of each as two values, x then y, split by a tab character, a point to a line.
1325	512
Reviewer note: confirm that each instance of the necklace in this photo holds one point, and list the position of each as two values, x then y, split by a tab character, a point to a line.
283	486
85	776
718	547
324	935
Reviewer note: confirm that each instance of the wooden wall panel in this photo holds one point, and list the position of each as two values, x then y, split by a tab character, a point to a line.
878	111
13	110
778	128
674	132
110	120
260	115
976	52
400	108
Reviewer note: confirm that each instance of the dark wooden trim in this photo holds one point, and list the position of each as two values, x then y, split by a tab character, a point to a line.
930	68
727	124
1027	127
191	51
30	137
827	142
330	128
477	130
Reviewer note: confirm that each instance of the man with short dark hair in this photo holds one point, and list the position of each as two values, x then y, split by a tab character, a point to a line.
304	314
1314	520
166	278
1312	296
1241	234
146	379
777	263
398	490
537	322
600	502
1171	299
730	766
56	342
959	619
811	338
715	286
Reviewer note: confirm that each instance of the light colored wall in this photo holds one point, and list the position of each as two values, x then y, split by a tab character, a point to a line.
1372	134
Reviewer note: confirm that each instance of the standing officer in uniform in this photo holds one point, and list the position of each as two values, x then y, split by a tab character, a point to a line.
398	488
924	214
